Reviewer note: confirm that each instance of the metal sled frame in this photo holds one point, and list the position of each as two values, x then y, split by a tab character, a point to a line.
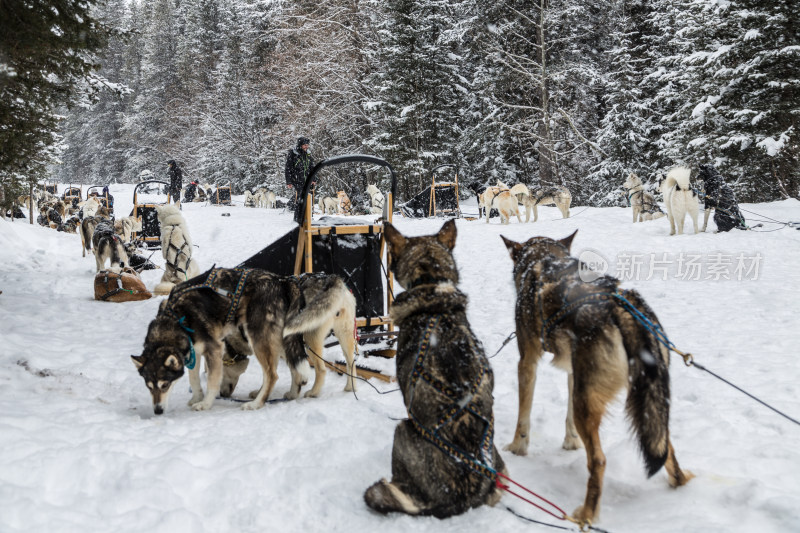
71	192
102	198
432	211
151	230
303	258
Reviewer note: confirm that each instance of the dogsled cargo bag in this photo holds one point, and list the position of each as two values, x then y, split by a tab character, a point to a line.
119	287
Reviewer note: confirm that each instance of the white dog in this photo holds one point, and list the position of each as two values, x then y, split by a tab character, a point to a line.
679	198
265	198
89	207
377	199
328	205
176	247
502	199
642	202
487	197
250	199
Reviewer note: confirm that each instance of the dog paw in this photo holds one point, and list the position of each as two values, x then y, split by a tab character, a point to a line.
311	394
195	400
252	406
518	447
572	442
202	406
291	395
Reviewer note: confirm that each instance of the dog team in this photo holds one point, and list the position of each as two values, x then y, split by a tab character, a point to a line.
444	460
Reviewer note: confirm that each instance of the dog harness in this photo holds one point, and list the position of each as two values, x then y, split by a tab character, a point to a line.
482	465
209	283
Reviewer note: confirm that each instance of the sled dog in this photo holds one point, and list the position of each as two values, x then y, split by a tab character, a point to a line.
87	227
108	246
265	198
344	206
89	208
557	196
679	198
176	247
250	199
487	197
70	226
602	346
330	305
124	227
271	313
446	383
328	205
376	199
642	203
721	198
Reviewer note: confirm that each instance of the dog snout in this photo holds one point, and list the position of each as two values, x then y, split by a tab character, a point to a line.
158	409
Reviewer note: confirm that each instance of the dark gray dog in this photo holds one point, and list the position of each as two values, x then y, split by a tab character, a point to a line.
443	461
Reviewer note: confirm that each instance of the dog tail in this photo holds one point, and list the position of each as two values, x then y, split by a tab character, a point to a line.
520	190
648	400
332	298
679	176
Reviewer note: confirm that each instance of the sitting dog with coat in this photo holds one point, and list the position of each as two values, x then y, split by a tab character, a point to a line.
721	198
176	246
444	461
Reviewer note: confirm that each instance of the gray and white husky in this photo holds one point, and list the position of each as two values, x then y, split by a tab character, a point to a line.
272	314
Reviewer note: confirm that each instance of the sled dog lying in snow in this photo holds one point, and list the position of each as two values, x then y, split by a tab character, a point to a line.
446	385
271	313
376	199
602	346
176	247
679	198
557	196
108	246
328	205
721	198
642	203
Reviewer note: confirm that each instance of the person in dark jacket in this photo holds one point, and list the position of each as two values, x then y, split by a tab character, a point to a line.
175	181
298	166
721	198
109	197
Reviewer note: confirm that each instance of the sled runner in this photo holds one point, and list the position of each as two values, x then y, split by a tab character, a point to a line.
146	196
349	247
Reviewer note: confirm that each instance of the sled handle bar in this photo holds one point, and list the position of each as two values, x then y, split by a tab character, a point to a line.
446	165
340	160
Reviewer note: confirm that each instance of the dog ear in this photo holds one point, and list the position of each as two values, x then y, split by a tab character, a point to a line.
395	239
513	247
138	360
172	363
447	235
567	241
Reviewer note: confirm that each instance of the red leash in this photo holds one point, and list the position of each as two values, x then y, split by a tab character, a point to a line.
506	488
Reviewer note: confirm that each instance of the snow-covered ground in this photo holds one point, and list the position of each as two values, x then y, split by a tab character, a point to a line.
81	451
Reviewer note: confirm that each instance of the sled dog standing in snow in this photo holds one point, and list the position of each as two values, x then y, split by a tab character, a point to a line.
679	198
272	313
602	346
557	196
446	382
108	246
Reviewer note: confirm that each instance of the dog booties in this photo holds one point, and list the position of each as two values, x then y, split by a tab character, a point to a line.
125	286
